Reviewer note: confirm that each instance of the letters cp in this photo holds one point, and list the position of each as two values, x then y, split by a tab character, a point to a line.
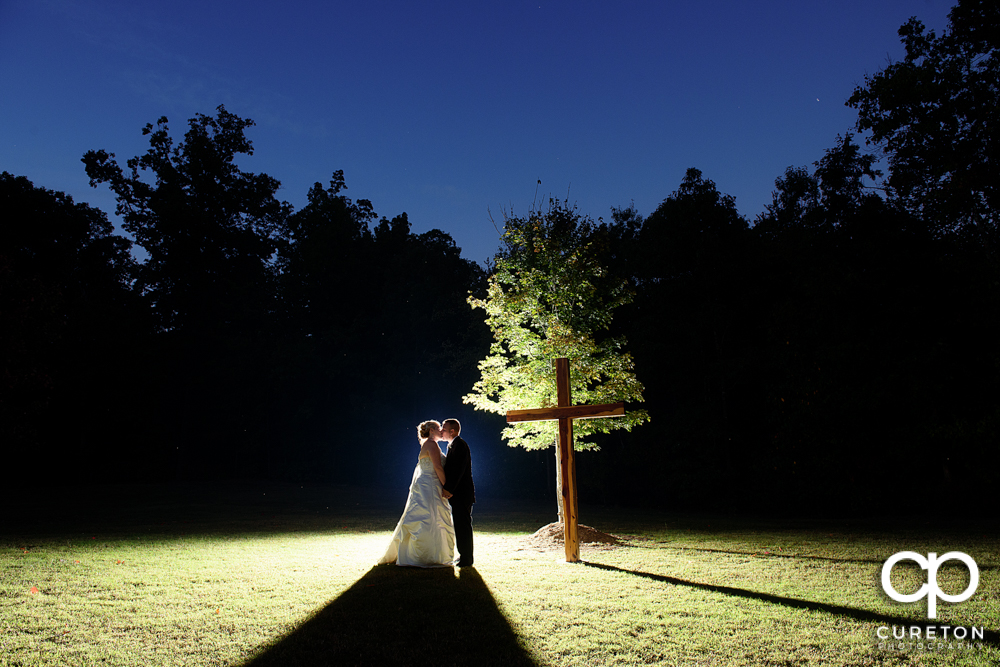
931	588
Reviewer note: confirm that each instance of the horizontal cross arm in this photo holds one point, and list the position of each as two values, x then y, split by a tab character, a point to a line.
570	412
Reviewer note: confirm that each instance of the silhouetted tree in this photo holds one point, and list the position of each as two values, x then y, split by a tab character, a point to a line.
210	230
68	325
935	114
688	331
822	202
375	326
794	207
328	246
208	227
688	231
867	319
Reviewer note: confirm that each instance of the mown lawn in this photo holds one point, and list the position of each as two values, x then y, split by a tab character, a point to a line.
234	578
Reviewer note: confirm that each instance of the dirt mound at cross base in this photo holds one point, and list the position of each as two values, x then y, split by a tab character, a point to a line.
551	536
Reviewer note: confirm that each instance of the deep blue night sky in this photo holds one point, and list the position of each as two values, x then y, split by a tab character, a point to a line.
450	110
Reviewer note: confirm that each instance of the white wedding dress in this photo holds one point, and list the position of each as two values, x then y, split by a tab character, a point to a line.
425	534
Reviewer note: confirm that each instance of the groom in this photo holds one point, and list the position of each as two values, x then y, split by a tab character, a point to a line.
458	488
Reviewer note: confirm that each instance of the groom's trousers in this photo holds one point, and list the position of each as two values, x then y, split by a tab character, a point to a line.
462	515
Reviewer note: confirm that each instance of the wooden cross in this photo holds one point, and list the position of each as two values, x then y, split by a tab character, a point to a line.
565	413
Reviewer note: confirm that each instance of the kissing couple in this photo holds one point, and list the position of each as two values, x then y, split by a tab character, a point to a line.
438	512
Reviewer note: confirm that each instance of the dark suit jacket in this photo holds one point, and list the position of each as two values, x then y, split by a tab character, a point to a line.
458	472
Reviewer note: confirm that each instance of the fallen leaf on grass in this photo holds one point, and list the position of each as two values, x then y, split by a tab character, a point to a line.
34	590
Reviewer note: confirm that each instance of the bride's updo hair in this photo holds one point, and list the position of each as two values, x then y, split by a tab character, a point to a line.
424	429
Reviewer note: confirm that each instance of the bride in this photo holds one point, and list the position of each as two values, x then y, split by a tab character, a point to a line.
425	535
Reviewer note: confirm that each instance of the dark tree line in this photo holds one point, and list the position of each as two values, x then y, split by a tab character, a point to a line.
252	341
838	352
834	355
64	287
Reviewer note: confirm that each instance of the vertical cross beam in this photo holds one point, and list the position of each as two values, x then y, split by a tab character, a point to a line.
565	413
571	535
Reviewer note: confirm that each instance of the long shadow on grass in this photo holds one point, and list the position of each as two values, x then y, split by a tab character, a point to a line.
790	556
989	636
404	616
759	554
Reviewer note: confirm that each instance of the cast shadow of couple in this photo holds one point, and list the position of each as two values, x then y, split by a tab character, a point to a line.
404	616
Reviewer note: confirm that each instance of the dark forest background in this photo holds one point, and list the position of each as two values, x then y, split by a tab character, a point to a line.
838	353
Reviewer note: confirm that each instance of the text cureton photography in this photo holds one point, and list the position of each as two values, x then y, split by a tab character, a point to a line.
924	637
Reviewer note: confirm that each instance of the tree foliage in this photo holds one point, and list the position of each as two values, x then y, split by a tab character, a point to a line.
685	231
550	296
787	365
935	114
209	228
65	330
825	200
267	317
372	319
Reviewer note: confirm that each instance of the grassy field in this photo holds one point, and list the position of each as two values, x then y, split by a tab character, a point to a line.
235	576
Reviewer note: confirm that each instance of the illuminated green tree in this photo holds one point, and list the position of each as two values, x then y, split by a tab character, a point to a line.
550	295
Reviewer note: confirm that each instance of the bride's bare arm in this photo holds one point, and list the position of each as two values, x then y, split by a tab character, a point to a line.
436	459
